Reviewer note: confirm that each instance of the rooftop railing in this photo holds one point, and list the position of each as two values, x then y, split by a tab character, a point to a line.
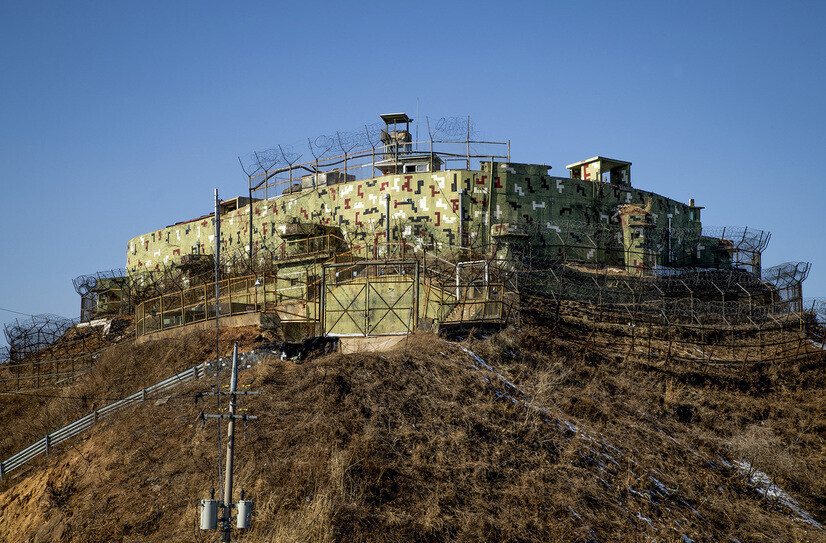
365	163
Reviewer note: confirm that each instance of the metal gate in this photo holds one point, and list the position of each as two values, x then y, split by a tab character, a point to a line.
370	298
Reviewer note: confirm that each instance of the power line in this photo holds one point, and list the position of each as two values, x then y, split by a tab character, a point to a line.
18	312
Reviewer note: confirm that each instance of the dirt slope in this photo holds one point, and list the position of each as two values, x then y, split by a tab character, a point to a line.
521	436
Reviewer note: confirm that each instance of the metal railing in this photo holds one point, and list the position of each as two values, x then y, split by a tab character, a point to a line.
467	303
84	423
362	163
238	295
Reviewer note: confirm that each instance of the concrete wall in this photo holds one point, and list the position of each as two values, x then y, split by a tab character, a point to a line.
516	199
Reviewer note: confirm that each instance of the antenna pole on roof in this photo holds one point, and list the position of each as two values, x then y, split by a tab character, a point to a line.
467	141
417	123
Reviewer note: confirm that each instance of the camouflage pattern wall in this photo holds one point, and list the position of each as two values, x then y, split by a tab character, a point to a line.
502	203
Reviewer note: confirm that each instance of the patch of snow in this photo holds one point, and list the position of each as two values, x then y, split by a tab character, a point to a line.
763	484
639	516
660	487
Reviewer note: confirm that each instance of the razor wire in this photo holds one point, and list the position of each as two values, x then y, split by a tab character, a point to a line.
358	140
38	335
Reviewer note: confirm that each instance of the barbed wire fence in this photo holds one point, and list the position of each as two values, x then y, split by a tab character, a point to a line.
349	142
577	267
48	349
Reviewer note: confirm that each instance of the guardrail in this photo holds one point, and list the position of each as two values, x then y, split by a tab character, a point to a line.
84	423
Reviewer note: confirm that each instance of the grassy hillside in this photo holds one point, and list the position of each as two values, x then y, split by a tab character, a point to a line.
533	434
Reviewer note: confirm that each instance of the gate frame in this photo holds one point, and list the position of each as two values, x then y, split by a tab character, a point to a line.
326	267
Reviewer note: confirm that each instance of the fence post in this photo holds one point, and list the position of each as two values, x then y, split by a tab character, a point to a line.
95	416
322	302
366	305
48	444
2	471
416	296
143	395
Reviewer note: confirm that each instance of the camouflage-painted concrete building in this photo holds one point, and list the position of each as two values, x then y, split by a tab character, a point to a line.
593	215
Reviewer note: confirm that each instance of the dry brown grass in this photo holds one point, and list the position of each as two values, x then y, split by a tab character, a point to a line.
419	445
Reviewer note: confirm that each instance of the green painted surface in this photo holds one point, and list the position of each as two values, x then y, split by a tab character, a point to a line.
516	202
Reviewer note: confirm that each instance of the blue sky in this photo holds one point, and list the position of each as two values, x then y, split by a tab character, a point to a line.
119	118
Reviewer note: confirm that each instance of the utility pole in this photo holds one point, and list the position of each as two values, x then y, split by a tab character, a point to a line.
226	526
209	507
217	269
